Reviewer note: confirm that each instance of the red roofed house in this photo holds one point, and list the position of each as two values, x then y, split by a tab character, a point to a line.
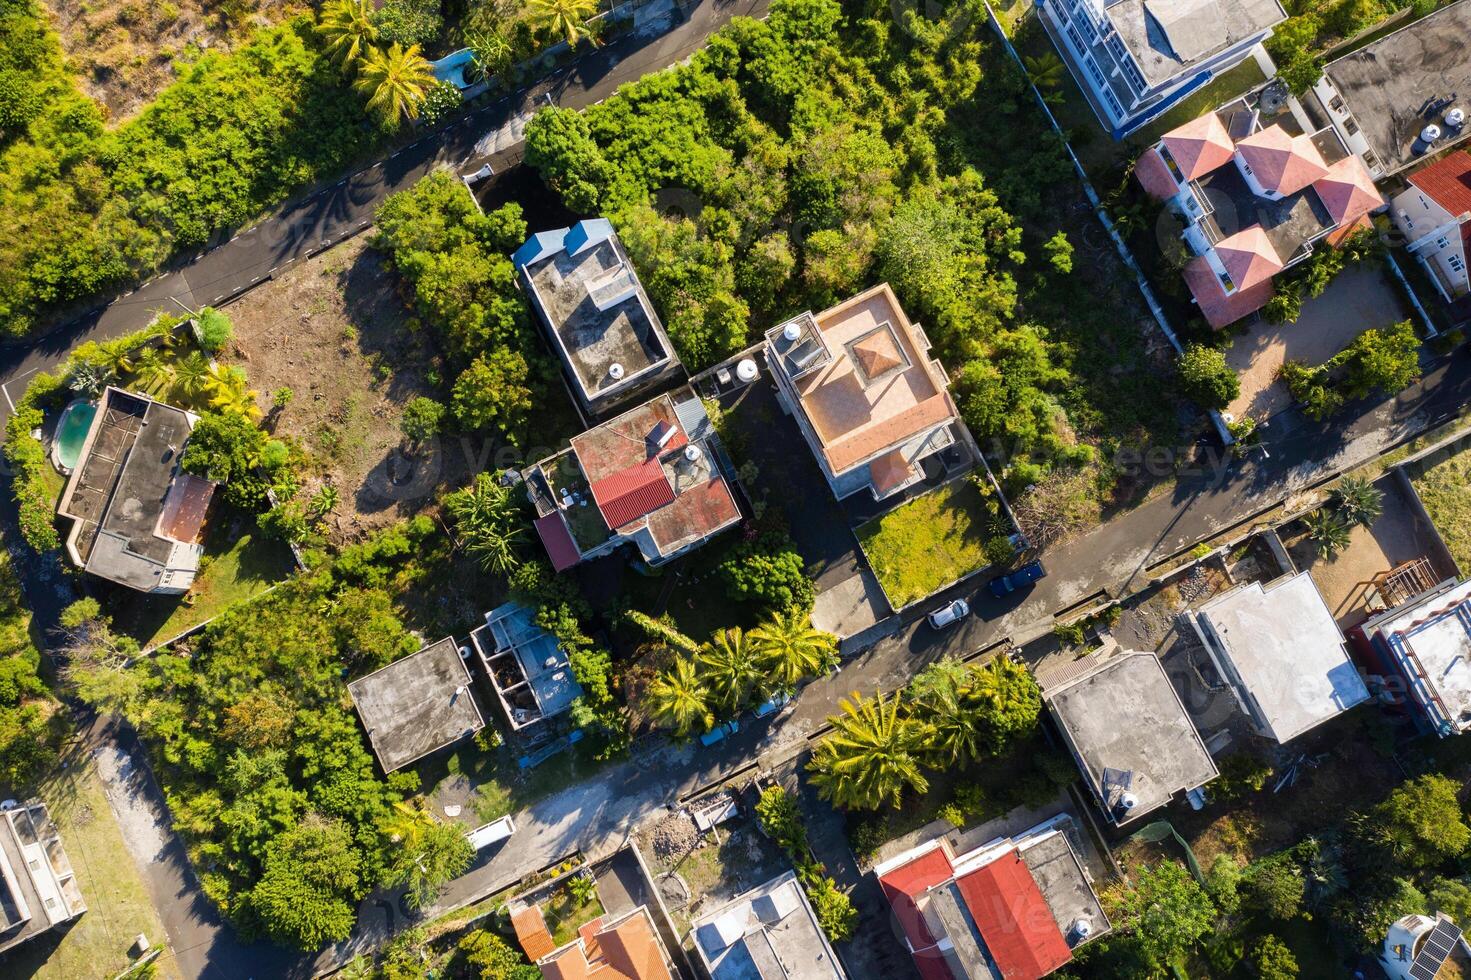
1434	215
870	401
1255	200
648	478
1013	908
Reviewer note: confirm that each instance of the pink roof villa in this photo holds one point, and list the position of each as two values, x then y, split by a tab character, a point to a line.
870	401
1255	200
648	477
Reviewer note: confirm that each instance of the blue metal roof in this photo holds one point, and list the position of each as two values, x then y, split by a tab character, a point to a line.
538	246
586	233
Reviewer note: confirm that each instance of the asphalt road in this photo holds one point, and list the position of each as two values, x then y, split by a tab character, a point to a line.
328	215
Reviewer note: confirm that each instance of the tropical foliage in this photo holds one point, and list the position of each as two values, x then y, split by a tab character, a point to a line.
873	756
1383	359
396	81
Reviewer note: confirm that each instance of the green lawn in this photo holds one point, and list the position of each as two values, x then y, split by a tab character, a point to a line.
1445	489
565	914
236	568
930	541
118	907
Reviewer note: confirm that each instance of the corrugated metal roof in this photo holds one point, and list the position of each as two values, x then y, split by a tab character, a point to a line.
1014	919
693	420
631	493
557	540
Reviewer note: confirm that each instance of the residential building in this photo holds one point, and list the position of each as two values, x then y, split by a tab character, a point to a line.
1014	907
629	936
1279	649
527	668
1384	98
137	518
1423	651
38	890
1423	947
652	477
1131	736
768	933
869	399
417	705
1134	59
1255	200
1433	215
597	317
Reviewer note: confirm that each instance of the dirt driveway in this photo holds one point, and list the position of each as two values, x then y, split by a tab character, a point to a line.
1363	296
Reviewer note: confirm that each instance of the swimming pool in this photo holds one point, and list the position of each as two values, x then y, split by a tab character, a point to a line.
71	432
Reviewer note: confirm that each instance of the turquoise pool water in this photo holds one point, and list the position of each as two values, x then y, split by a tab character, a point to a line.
71	432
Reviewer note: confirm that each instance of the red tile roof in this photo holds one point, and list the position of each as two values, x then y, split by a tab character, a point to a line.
532	933
1282	163
1337	236
1219	309
629	494
1348	192
1199	146
1447	181
858	445
557	539
1155	177
1249	257
1014	919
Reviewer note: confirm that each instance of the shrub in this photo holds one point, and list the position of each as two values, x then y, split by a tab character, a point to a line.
1206	378
421	420
213	330
440	101
1274	887
767	572
870	834
780	819
999	551
1241	773
835	911
1272	960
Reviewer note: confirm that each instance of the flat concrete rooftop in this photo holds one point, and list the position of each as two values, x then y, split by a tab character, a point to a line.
417	705
1126	716
769	933
1060	877
1389	84
1435	635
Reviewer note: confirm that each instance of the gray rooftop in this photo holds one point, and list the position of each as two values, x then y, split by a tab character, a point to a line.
38	888
417	705
1126	717
1063	882
600	315
1167	37
1388	85
116	496
1289	223
526	666
1282	645
770	933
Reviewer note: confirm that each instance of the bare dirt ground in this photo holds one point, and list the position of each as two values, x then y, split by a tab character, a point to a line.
124	50
334	331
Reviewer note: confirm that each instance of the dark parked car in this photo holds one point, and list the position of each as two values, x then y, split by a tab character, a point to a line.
1021	578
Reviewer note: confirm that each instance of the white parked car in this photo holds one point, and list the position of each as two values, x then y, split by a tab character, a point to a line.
950	614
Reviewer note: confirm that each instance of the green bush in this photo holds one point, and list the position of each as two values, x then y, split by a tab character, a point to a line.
768	573
1206	378
422	419
1241	773
1274	887
214	330
835	912
1272	960
780	819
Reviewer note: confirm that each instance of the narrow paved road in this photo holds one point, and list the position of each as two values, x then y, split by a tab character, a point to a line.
305	226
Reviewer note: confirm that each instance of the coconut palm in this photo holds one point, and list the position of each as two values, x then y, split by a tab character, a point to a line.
1045	70
791	648
1328	531
488	523
730	666
676	697
662	633
227	392
116	358
347	29
564	18
396	82
154	374
1357	501
941	697
192	376
872	756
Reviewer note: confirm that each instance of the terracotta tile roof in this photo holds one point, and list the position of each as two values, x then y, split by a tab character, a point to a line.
629	494
1199	146
863	443
1447	182
1219	309
878	352
1362	223
1348	192
557	540
532	933
1014	919
698	511
627	951
889	471
1155	177
1249	257
1282	163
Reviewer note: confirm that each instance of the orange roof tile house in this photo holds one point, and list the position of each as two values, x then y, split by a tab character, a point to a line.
649	477
1255	200
1434	216
867	396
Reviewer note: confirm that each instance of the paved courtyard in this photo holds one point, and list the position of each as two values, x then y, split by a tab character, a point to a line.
1363	296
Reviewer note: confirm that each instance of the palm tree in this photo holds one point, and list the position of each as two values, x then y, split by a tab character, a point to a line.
117	358
154	374
1357	501
1328	531
872	756
677	698
408	825
662	633
227	392
791	648
192	376
346	26
566	18
488	521
491	52
396	82
1045	70
951	718
730	666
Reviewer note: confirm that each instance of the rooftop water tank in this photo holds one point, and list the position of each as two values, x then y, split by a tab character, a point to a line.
791	332
1430	133
615	371
1456	118
746	370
